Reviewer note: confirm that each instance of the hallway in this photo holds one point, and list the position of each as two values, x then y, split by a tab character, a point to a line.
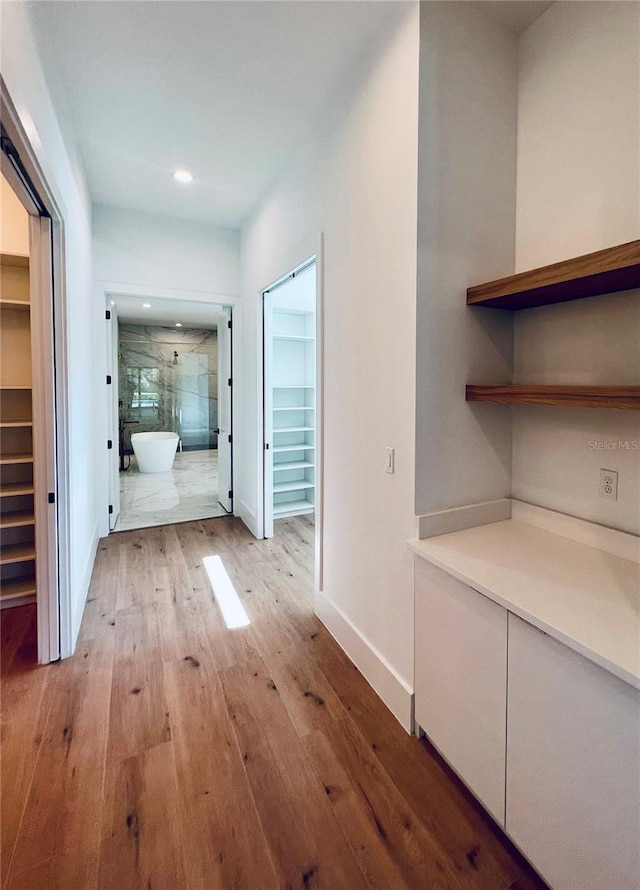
170	752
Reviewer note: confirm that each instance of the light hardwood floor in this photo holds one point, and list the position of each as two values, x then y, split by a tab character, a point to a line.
170	752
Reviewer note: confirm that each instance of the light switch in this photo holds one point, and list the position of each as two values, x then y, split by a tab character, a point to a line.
389	462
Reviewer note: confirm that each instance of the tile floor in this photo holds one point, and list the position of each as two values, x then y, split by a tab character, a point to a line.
188	491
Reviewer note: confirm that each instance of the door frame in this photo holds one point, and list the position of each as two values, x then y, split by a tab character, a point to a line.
49	389
104	293
263	401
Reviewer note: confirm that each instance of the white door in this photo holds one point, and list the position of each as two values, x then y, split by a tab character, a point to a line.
114	415
225	389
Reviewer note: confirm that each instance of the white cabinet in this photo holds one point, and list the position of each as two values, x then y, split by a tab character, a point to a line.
573	765
461	680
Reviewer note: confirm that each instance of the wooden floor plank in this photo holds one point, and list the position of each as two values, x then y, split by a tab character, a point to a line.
141	839
308	847
64	805
24	705
75	869
223	839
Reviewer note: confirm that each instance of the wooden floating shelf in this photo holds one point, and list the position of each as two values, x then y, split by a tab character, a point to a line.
621	397
603	272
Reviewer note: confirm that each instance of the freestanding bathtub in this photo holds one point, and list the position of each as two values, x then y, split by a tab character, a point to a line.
155	452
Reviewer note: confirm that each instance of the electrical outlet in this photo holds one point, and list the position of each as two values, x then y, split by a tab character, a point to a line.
389	460
609	485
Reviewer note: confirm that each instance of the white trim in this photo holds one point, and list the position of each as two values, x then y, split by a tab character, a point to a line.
319	419
248	517
44	441
122	289
76	619
442	522
104	291
394	691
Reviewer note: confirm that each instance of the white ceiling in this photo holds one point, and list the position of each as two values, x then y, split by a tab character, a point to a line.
167	312
226	89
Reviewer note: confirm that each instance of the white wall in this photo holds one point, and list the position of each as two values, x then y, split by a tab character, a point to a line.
578	190
158	251
359	188
466	223
14	222
56	154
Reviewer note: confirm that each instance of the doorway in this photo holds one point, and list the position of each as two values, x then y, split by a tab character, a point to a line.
32	487
171	394
290	396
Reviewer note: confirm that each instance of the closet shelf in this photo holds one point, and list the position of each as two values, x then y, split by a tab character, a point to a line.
13	590
293	429
292	337
293	386
621	397
20	305
294	408
603	272
292	508
293	465
301	446
17	553
15	424
299	485
14	259
16	520
13	489
7	459
16	388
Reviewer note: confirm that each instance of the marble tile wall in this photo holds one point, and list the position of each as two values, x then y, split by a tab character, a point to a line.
162	390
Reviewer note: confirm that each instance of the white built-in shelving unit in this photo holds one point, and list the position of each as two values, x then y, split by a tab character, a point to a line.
293	412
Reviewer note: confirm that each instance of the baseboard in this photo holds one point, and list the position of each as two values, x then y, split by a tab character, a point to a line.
248	517
388	684
78	608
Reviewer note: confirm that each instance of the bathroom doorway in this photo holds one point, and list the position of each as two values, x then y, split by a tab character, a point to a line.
170	411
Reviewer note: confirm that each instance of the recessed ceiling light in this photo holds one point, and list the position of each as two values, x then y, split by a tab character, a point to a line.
182	176
178	324
146	305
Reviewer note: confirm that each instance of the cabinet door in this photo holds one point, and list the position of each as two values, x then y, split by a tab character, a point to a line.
573	779
460	684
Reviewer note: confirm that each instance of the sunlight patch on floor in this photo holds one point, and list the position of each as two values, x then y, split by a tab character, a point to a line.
225	594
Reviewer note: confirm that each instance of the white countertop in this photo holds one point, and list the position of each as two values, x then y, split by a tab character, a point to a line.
587	598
